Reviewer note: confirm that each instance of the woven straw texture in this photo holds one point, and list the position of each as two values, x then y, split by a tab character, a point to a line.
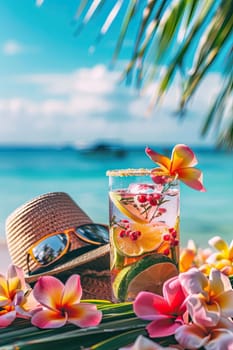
94	273
48	213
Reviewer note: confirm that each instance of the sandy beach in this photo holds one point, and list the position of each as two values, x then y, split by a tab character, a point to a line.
4	257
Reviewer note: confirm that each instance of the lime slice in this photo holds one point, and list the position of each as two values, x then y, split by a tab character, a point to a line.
147	274
119	282
129	212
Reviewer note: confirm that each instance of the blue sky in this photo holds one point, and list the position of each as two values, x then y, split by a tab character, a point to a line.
53	91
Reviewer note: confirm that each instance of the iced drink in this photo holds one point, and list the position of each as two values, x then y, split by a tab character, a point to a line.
144	231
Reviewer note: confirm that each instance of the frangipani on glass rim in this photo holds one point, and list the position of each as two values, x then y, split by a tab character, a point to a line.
180	166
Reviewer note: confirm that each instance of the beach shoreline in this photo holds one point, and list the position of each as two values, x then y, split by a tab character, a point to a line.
5	259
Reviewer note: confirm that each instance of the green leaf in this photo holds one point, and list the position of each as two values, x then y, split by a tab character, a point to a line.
114	343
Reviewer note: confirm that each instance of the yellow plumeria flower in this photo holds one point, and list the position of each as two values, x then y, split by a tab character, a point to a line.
191	256
223	259
209	299
15	297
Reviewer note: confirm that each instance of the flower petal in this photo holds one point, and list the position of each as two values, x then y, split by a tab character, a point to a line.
21	312
48	319
182	157
219	282
3	288
163	327
48	291
191	336
15	276
73	291
208	315
186	259
147	305
225	302
192	177
230	256
159	159
173	293
193	281
6	318
84	315
219	244
220	339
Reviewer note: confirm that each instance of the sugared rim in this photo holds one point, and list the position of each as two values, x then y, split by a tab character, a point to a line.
128	172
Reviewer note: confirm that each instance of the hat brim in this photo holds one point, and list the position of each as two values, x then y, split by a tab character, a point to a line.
97	259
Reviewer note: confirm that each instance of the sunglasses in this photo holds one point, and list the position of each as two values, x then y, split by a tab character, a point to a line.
54	246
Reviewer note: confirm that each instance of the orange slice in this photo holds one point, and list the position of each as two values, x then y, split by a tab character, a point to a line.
149	238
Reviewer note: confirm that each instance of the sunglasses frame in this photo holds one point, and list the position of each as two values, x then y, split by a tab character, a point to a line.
67	232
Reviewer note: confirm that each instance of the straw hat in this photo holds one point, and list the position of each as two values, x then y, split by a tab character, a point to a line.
54	212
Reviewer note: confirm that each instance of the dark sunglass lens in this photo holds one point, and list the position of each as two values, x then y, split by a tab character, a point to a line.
50	249
94	232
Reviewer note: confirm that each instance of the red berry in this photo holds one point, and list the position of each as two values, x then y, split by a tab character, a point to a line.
153	202
141	198
133	235
157	196
138	233
166	251
166	237
127	232
175	242
173	232
162	210
122	233
149	196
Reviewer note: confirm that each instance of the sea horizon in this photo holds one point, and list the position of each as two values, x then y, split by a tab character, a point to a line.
27	171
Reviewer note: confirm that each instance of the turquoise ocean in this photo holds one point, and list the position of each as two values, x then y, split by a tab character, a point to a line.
27	172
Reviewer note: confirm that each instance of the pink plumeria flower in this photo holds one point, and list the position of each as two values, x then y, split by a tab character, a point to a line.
143	343
62	304
209	298
180	166
223	259
15	297
195	336
167	313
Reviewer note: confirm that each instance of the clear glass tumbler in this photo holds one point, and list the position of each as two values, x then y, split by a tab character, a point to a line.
144	231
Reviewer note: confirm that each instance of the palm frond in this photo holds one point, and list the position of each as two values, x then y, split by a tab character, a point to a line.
170	32
115	328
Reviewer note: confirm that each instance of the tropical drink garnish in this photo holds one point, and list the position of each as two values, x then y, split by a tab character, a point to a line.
147	274
144	221
133	239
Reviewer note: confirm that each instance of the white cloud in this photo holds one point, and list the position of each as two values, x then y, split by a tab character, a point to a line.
39	2
12	47
88	104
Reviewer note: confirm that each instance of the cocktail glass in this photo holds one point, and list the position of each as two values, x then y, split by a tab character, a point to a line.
144	231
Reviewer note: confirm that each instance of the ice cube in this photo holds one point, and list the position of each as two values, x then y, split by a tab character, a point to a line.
141	188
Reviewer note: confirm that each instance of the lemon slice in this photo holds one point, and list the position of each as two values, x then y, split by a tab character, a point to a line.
150	239
148	274
129	212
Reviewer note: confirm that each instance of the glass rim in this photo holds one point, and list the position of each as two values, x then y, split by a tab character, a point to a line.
129	172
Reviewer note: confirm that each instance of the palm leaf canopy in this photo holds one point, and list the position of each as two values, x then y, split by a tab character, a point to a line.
187	36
